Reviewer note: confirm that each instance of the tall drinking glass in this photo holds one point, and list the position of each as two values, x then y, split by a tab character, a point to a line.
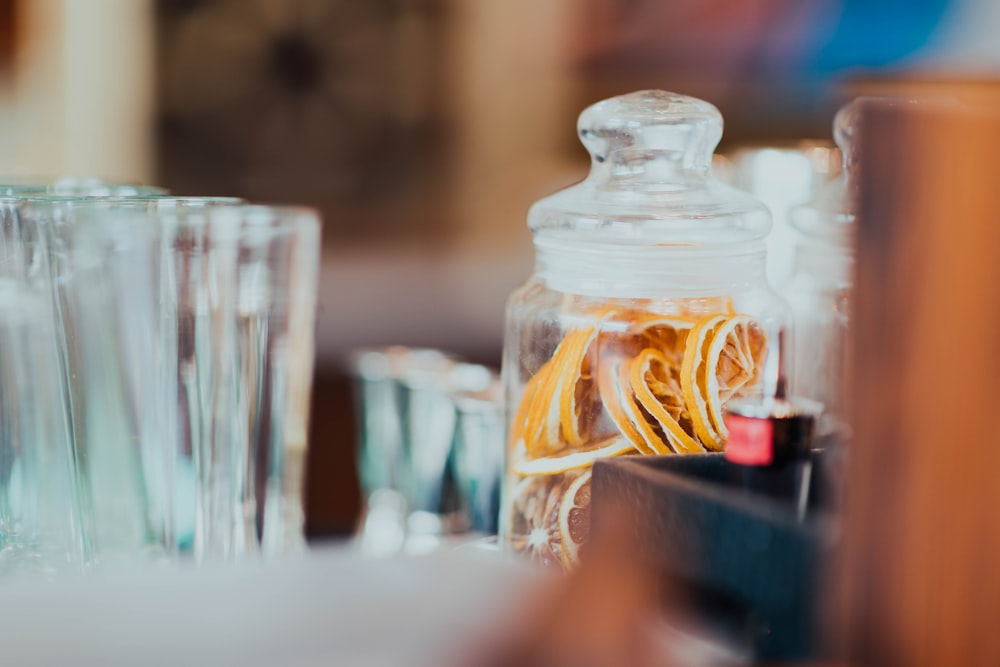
189	335
41	524
74	186
98	258
238	294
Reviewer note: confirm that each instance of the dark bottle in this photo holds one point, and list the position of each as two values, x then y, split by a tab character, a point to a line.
770	445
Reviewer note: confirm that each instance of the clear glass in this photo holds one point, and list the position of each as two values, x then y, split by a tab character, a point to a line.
188	340
648	311
819	289
239	286
782	177
88	186
41	526
423	459
477	453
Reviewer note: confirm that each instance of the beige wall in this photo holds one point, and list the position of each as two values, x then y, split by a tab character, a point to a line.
80	100
514	110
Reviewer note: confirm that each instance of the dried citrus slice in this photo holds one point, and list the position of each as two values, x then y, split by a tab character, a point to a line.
574	520
616	396
540	524
733	365
661	396
520	420
553	465
668	334
542	423
655	442
569	388
533	519
531	413
694	381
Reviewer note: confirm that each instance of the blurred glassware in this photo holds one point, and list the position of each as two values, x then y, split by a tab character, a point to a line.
189	334
86	186
240	284
477	457
418	449
41	526
818	290
376	374
782	177
98	257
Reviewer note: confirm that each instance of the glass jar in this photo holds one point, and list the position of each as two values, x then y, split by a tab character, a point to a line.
819	289
648	311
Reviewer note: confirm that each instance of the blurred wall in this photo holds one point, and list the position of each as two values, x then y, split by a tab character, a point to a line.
78	100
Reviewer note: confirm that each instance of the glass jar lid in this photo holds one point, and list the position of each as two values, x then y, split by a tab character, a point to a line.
829	217
651	181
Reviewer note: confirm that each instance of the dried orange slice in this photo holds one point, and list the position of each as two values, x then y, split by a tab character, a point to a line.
694	381
553	465
560	405
533	519
548	517
569	389
617	398
531	413
574	520
541	433
666	334
519	422
659	393
733	366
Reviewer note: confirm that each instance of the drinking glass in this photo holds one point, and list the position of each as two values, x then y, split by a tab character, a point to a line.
189	339
478	452
421	415
41	525
238	289
73	186
429	417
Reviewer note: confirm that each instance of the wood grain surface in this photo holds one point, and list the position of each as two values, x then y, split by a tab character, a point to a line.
917	581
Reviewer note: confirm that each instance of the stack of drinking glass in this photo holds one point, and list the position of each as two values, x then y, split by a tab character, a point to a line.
431	450
156	356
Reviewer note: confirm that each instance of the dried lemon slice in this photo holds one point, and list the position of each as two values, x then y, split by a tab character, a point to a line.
553	465
735	358
661	396
694	381
574	520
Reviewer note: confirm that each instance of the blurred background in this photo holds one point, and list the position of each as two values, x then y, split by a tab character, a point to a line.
423	129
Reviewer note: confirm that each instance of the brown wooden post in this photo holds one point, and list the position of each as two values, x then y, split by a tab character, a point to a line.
919	571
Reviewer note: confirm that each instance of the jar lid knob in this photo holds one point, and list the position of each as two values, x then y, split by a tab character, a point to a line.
660	124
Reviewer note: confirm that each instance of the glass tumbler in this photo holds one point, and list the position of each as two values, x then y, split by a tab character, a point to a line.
478	452
41	527
189	335
68	186
239	308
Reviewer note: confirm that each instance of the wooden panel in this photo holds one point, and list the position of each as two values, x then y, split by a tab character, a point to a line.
918	584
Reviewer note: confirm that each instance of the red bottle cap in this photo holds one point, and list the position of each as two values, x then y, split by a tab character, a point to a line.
751	440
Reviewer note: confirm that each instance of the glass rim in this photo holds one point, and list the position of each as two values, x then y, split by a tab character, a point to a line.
274	217
73	198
